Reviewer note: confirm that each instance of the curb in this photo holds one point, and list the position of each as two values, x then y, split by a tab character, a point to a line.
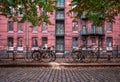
61	65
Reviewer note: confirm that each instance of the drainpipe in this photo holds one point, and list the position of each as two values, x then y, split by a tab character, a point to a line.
98	48
26	36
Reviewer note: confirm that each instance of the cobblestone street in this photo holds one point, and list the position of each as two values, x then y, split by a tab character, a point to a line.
57	74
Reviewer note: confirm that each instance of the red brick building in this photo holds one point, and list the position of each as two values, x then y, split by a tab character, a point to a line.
64	34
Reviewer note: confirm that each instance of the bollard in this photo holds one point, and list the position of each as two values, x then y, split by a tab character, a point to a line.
109	57
13	56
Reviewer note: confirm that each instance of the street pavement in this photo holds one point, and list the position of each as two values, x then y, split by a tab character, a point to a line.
56	74
59	62
21	61
21	70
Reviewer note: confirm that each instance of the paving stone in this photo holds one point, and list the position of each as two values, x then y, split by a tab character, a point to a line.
60	74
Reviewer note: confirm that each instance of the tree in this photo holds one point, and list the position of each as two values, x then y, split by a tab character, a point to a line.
29	9
98	11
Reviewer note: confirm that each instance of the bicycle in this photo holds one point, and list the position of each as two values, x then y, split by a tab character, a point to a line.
89	55
45	55
71	56
81	55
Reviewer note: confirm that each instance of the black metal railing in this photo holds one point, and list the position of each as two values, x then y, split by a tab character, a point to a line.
88	33
60	33
97	32
60	5
84	33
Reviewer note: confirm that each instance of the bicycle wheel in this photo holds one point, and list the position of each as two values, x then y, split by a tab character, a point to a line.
92	57
53	55
46	57
81	57
28	57
68	57
36	55
76	56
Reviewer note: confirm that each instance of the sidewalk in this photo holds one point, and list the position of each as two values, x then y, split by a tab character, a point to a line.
60	62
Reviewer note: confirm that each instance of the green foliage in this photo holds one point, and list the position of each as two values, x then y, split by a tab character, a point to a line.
98	11
29	9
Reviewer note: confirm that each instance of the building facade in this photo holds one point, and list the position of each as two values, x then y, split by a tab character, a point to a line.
63	35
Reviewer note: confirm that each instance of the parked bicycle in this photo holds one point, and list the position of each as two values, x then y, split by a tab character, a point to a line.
80	55
89	55
45	55
71	56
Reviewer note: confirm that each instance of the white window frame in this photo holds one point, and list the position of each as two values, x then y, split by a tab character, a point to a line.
11	46
93	39
20	27
60	28
35	29
109	44
10	26
20	14
44	27
75	27
109	27
34	42
75	42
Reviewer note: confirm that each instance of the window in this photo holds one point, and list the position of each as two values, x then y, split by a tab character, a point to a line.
35	29
20	28
60	15
11	11
60	44
109	42
74	14
75	26
84	41
84	16
93	40
84	29
19	42
20	11
60	3
109	27
60	28
44	27
10	42
10	26
44	41
93	30
100	30
34	42
75	42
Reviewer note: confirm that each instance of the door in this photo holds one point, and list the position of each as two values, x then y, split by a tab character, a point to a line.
60	44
